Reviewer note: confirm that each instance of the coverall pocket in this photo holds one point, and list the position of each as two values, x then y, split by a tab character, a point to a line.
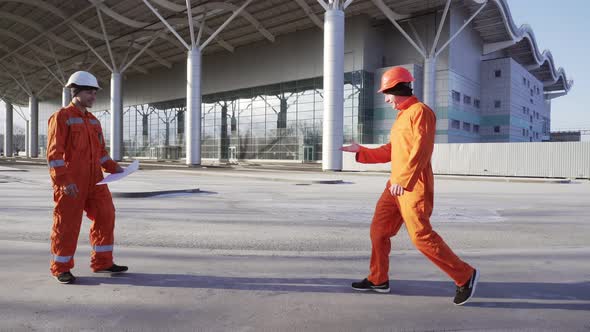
76	138
100	138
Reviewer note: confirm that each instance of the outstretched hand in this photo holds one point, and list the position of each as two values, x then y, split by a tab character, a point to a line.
354	147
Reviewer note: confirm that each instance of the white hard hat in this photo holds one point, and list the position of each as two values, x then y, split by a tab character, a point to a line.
82	78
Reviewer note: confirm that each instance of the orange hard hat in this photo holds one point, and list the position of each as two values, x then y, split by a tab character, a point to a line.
394	76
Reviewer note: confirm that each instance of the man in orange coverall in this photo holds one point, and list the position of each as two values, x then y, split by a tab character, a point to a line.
409	195
75	154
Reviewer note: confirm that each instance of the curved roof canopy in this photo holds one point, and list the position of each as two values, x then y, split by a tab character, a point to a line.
42	41
500	33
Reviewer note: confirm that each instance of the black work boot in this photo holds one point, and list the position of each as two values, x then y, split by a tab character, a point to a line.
465	292
113	269
65	278
366	285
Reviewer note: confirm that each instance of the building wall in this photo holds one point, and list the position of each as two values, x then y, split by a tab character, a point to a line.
523	115
495	102
528	106
566	136
374	46
463	77
397	49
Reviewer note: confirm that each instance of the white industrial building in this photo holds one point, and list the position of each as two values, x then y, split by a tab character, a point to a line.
273	79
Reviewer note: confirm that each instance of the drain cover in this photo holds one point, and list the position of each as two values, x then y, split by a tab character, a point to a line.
143	194
327	181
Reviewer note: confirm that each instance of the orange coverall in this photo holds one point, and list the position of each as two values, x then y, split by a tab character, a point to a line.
410	150
75	154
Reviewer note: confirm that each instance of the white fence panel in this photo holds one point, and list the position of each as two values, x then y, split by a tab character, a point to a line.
547	159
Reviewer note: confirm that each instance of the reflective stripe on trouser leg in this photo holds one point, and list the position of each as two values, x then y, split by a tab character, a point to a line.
59	264
101	257
102	248
60	259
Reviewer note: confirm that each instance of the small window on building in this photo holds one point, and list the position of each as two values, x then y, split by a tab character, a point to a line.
456	96
531	118
528	83
476	128
523	80
496	129
497	103
466	99
466	126
476	103
455	124
532	92
523	132
524	110
531	101
498	73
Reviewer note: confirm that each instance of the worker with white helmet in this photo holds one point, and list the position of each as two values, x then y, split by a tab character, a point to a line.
77	157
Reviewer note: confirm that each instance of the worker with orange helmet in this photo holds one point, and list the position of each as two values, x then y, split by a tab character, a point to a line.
77	156
409	194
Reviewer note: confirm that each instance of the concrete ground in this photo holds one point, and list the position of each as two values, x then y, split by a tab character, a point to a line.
277	250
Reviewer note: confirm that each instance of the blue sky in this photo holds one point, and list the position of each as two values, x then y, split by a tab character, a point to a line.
563	28
560	26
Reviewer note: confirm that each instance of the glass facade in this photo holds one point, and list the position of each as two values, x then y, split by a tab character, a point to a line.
272	122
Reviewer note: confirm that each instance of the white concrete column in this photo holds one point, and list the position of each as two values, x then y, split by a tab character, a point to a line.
193	107
333	131
27	135
430	81
66	96
8	130
116	116
33	151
